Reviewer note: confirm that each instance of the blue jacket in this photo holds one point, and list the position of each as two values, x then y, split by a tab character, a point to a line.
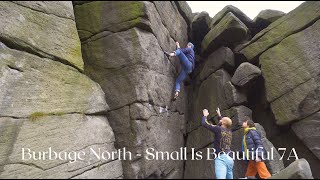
253	141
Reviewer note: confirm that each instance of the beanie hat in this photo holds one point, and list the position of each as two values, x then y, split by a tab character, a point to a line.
192	46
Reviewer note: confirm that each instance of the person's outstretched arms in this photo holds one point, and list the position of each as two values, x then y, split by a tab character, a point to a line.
219	114
219	117
205	123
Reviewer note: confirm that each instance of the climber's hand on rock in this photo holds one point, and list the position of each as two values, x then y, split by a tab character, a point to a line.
178	45
205	112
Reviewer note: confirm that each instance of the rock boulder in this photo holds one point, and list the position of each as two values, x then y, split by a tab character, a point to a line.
40	32
234	10
299	169
245	75
265	18
228	31
291	71
308	131
295	21
200	26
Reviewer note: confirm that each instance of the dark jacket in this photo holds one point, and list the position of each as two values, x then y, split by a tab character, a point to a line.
253	141
223	136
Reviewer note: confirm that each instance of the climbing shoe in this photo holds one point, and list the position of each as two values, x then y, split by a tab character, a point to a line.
176	95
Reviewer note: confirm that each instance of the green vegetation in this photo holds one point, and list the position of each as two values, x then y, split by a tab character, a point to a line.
36	115
129	10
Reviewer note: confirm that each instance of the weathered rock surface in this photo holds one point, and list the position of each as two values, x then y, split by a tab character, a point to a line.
245	75
200	26
228	31
221	58
211	92
173	21
288	54
199	138
121	79
295	21
237	12
138	135
233	96
269	16
40	33
185	11
265	18
129	84
123	53
202	168
31	84
290	140
211	89
308	131
291	73
216	91
45	102
63	9
299	169
123	16
67	133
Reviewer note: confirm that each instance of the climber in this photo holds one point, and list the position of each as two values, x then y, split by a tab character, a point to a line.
222	142
252	145
186	57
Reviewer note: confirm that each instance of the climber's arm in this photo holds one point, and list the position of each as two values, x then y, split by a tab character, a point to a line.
173	53
178	45
205	123
184	50
214	121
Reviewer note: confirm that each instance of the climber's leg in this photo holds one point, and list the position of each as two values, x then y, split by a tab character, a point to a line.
186	64
230	164
251	169
220	168
185	70
183	74
263	170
